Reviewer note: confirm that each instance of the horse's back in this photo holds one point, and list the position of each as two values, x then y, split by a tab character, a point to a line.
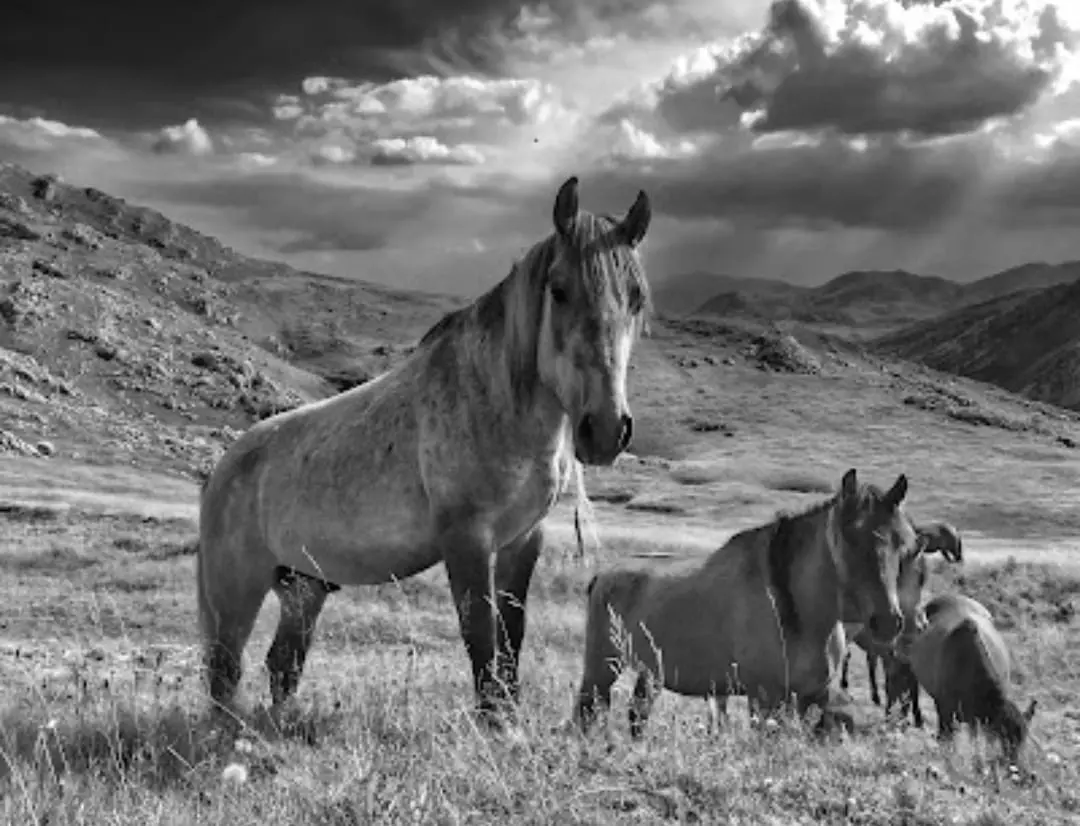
332	488
635	585
954	607
960	650
698	615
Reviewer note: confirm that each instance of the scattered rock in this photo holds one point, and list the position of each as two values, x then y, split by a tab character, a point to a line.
207	360
47	268
13	203
83	335
106	351
82	234
10	443
782	353
18	230
45	448
45	187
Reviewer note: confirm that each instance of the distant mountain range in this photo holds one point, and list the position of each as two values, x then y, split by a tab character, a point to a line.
1019	328
875	299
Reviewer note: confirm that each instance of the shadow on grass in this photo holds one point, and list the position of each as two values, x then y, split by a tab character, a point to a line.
59	559
796	482
164	747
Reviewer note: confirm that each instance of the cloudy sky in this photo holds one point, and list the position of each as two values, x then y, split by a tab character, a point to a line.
420	142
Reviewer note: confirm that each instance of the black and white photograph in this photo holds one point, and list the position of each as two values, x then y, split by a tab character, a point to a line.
540	412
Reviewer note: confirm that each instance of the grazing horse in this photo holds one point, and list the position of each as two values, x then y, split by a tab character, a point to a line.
963	663
760	615
940	537
455	455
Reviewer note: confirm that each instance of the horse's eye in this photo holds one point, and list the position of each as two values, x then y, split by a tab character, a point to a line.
558	295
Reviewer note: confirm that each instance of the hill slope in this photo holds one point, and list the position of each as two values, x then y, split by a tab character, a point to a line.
125	336
1026	342
1034	276
685	293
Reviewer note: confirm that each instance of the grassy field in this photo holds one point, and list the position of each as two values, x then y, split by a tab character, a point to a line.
103	718
131	359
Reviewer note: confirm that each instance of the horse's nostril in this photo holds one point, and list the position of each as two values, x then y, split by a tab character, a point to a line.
585	429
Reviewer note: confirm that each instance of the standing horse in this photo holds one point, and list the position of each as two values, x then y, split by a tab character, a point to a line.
760	615
940	537
455	455
963	663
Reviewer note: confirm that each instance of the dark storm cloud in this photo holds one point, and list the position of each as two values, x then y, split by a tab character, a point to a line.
957	74
889	68
133	64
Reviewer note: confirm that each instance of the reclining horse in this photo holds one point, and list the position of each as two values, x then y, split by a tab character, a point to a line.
760	615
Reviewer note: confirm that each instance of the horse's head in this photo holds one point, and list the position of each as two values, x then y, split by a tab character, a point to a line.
594	308
939	537
1012	726
876	537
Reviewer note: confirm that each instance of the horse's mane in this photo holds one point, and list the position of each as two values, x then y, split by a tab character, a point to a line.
508	315
785	545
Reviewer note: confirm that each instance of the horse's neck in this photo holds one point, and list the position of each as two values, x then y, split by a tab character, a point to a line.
815	578
501	356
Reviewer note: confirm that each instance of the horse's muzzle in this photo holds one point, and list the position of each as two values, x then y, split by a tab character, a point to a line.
599	442
886	629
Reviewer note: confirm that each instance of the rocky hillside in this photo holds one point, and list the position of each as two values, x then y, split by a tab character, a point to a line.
1027	342
125	336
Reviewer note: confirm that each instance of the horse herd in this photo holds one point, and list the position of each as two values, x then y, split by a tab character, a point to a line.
458	454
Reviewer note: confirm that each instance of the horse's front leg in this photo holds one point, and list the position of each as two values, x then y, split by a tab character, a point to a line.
468	559
514	567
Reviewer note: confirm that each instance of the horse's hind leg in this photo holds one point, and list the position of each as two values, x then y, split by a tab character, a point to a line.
302	599
514	567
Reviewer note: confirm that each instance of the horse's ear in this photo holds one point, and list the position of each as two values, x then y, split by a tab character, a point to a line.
849	484
951	546
636	223
1030	711
897	492
566	207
